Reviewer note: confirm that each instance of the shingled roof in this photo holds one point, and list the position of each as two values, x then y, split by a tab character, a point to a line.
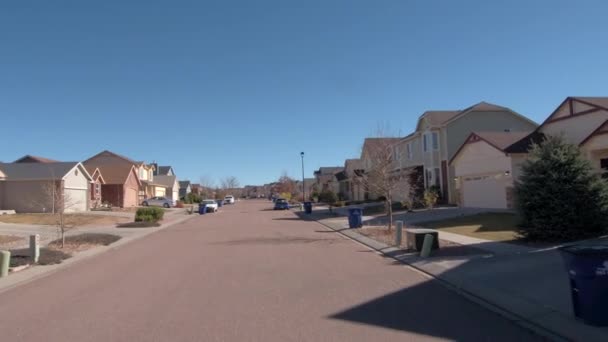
37	171
34	159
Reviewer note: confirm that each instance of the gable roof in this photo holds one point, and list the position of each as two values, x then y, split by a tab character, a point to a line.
378	143
28	158
110	153
328	170
597	103
164	170
97	172
499	140
39	171
524	144
443	117
600	130
115	173
164	180
184	184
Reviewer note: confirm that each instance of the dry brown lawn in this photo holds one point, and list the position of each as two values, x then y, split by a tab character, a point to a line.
72	220
488	226
6	239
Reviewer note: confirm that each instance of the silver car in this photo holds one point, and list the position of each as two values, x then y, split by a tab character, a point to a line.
158	202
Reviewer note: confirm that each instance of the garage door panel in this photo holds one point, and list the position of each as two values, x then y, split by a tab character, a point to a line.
130	197
75	200
484	192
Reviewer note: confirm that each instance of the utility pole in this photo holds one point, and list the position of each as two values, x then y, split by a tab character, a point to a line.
303	185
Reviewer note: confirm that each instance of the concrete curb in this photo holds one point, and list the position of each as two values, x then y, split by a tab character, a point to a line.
391	252
38	272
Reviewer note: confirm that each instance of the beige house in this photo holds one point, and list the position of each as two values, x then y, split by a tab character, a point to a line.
149	188
486	169
439	135
37	187
325	179
350	180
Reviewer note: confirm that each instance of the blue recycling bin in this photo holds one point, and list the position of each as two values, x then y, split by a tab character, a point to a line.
308	207
355	217
587	267
220	203
202	209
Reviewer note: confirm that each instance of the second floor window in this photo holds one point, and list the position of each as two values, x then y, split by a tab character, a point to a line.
409	151
430	140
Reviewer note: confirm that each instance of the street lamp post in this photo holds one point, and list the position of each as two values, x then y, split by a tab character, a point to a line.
303	185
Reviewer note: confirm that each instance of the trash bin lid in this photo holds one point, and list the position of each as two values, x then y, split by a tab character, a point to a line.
595	249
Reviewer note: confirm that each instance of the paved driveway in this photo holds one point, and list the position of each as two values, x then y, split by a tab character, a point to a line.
244	274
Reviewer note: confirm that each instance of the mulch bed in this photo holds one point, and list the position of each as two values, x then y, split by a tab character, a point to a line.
54	254
446	248
141	224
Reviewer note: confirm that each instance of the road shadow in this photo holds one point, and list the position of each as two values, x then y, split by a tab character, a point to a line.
428	309
287	219
281	240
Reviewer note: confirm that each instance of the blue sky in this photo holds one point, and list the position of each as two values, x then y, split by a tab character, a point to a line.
239	88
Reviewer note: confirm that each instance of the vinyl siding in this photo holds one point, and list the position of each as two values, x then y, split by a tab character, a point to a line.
577	128
461	128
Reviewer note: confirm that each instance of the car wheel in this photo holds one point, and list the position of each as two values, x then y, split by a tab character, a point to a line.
145	204
166	205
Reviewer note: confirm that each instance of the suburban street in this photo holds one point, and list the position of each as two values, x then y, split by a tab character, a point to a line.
246	273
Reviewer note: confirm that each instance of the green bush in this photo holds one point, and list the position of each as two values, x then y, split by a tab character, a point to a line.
149	214
328	196
559	196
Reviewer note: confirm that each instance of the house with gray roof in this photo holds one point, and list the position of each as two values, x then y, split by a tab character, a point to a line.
38	187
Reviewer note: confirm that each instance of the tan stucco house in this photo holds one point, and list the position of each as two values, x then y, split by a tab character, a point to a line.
486	169
437	138
37	187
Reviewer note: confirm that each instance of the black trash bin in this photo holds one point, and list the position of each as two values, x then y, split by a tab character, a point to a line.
308	207
587	267
355	217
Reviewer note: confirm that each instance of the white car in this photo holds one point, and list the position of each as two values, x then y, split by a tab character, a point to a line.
210	204
229	199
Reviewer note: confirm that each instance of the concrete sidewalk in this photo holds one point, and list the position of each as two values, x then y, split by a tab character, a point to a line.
531	284
127	235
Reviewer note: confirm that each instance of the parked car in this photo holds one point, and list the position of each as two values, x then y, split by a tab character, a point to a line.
281	204
158	202
211	205
229	199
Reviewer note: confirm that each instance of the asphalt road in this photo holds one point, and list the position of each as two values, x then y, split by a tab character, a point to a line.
245	274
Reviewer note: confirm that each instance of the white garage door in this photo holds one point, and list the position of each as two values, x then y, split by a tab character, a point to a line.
484	192
175	196
75	200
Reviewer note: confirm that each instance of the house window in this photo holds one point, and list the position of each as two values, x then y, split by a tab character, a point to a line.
76	172
429	177
409	151
97	188
437	175
424	142
141	173
435	141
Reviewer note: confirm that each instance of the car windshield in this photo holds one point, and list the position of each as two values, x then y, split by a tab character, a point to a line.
208	202
281	200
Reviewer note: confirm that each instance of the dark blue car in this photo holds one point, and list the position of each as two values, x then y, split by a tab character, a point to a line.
281	204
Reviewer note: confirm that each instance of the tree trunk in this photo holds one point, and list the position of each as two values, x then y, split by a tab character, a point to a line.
62	230
390	213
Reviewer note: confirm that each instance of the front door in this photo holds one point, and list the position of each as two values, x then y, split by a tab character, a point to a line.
604	167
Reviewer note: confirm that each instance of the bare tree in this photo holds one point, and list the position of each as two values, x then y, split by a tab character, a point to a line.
230	182
380	175
287	185
207	185
60	202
